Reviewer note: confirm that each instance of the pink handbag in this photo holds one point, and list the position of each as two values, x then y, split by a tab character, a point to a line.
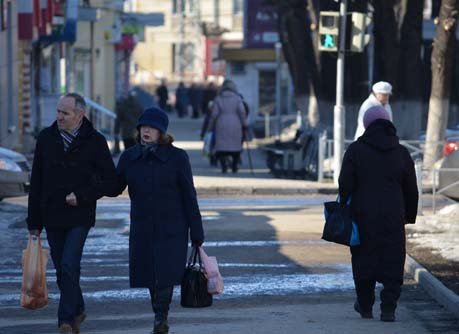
215	279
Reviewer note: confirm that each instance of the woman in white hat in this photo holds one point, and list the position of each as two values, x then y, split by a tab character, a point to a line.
379	96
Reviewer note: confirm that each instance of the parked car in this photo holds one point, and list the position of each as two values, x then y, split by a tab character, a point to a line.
450	160
14	174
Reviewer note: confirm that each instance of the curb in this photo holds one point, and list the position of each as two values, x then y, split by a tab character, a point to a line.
433	286
228	191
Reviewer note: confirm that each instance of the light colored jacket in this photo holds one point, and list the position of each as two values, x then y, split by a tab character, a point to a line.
227	121
371	101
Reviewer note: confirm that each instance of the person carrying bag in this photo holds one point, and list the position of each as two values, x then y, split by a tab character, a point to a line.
194	287
164	212
339	226
34	292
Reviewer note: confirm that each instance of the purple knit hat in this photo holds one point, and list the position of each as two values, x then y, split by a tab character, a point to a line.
374	113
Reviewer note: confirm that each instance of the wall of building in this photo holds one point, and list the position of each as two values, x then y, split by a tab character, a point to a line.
154	57
8	115
104	75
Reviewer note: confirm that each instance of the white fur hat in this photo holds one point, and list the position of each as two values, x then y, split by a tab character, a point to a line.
382	87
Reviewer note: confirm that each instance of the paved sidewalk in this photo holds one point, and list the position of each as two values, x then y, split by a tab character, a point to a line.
210	181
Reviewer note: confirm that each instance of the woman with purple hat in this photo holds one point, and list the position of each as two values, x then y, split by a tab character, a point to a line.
378	176
164	210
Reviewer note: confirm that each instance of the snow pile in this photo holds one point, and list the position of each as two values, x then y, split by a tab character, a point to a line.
450	211
439	232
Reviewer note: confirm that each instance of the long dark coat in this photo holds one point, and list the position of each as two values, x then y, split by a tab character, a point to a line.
86	169
378	173
164	209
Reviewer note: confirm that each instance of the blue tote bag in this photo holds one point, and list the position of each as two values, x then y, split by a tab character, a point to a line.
339	225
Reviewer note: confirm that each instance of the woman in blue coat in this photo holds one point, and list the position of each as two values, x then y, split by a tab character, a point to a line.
164	210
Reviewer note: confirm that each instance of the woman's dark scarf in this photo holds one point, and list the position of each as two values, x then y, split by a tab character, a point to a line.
148	148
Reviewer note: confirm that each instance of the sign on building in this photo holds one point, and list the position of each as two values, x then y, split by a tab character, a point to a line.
260	25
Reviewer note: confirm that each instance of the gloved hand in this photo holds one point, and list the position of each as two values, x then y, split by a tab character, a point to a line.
197	243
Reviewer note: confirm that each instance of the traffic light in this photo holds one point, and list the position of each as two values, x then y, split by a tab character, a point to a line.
358	36
329	31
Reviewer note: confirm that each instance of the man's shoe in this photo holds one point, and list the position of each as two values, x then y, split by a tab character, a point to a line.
65	329
78	320
161	327
364	315
388	316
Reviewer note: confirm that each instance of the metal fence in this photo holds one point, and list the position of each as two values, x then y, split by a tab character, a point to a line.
102	118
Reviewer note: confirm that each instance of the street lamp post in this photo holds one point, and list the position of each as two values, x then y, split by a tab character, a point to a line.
278	47
339	110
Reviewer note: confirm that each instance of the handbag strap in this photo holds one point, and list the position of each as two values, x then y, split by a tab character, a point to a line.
194	258
338	199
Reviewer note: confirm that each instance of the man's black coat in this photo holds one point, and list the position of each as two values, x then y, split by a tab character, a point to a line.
86	169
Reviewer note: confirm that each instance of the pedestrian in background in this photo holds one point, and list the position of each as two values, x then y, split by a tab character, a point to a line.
72	169
128	111
228	121
378	177
379	96
181	100
196	94
163	95
164	210
209	94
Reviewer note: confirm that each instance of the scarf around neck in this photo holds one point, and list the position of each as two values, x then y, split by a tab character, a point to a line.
148	148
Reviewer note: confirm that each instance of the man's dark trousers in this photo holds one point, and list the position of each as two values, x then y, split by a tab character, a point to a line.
66	246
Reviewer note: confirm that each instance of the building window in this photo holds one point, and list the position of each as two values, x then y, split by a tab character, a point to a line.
238	7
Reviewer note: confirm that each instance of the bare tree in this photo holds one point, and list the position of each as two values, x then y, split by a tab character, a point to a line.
298	48
442	65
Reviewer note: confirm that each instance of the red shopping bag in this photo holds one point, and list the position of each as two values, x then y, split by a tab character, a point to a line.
34	292
214	278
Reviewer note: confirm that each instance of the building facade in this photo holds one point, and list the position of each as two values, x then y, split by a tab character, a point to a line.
9	80
186	47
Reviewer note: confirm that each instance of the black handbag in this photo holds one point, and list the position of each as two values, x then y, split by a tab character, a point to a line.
194	283
339	226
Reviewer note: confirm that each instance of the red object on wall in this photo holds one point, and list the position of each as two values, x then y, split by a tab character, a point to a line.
25	20
128	42
213	66
45	27
50	11
36	13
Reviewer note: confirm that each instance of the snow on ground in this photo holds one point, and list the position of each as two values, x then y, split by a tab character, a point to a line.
439	232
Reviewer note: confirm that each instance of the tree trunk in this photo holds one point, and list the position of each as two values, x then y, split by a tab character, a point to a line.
386	36
298	48
409	116
442	64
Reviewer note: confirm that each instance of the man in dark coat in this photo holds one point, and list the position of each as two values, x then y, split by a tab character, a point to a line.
72	168
128	111
181	100
164	210
195	94
378	176
163	95
209	94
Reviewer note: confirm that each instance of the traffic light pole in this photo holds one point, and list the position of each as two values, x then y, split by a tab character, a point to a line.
339	110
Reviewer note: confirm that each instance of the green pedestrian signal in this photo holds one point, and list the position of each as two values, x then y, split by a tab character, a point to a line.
329	42
328	31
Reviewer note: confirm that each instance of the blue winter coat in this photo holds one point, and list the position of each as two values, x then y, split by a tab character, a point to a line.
164	209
